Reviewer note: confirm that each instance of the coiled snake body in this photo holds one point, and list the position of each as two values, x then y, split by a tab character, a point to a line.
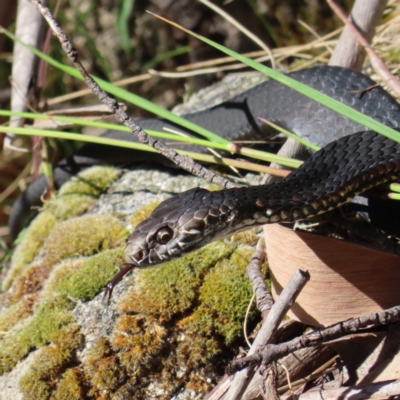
331	177
341	170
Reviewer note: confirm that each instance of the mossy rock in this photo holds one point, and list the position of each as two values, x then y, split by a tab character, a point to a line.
166	328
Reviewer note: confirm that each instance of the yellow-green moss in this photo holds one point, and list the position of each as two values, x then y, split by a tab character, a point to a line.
75	198
59	273
71	386
172	287
28	282
9	316
225	295
92	181
46	324
83	236
30	245
49	364
93	276
66	207
143	213
13	348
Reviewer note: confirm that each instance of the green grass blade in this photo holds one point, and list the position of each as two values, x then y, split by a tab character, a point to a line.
125	95
300	87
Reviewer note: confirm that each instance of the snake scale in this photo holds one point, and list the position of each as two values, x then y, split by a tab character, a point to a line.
345	167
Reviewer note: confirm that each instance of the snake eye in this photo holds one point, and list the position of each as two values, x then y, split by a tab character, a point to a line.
164	235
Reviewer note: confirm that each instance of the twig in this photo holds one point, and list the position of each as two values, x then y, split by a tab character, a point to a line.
274	352
182	161
269	327
260	290
376	62
373	391
269	391
366	15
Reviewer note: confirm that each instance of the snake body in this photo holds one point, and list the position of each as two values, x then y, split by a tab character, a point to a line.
237	119
331	177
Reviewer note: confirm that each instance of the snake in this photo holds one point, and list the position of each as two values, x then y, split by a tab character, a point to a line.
341	170
351	161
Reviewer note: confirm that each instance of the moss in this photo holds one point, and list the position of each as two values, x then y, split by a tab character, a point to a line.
9	316
137	339
226	293
30	245
46	324
29	282
71	386
94	274
92	181
41	378
83	236
75	197
172	287
217	322
102	367
60	272
66	207
12	348
248	237
143	213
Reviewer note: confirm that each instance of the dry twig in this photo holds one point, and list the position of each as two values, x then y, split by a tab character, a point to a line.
274	352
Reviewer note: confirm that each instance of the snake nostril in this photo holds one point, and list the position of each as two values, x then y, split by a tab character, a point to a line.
139	255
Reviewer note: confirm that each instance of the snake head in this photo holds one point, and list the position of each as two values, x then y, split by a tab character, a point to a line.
173	229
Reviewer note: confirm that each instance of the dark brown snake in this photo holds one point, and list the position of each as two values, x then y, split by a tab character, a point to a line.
341	170
331	177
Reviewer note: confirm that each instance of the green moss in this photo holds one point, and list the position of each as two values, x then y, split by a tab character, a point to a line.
94	274
75	198
143	213
41	378
223	300
66	207
83	236
46	324
30	245
92	181
13	348
172	287
225	295
60	272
